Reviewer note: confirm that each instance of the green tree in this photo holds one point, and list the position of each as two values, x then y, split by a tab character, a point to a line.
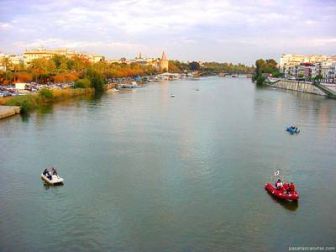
194	66
263	67
97	80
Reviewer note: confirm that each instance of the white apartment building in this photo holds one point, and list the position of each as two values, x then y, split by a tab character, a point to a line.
308	66
30	55
7	62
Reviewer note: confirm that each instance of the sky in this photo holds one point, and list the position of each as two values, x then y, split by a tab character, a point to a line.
237	31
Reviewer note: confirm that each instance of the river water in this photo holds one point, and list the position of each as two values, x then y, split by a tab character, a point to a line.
145	171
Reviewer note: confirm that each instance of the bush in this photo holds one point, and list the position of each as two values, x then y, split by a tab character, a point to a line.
82	83
26	106
260	80
98	83
26	103
46	94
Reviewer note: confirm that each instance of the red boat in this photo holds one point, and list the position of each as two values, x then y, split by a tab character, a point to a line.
283	193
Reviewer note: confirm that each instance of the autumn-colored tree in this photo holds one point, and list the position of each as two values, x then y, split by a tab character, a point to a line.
59	78
23	77
65	77
79	63
61	63
42	69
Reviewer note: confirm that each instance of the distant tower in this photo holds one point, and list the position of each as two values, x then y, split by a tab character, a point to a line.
163	63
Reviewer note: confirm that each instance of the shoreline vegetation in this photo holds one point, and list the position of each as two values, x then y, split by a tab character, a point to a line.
88	78
44	97
265	68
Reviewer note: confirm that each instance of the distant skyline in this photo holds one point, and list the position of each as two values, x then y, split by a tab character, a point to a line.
238	31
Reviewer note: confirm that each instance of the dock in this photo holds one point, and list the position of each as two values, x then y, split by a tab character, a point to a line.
7	111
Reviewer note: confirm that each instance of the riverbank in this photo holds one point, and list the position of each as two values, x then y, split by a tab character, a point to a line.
7	111
299	86
25	103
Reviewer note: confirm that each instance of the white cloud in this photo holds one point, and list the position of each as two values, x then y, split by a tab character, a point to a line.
5	26
128	26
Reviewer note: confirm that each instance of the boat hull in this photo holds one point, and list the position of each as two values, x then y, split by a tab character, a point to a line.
281	194
55	180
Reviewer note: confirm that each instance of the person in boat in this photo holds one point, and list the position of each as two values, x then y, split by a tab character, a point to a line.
53	170
278	184
45	171
286	188
291	187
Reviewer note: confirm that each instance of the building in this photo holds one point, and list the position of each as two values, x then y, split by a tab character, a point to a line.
305	70
95	58
160	64
20	86
30	55
163	63
2	62
328	71
308	66
8	62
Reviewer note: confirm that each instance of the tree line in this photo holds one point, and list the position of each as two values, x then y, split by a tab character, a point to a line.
210	67
59	69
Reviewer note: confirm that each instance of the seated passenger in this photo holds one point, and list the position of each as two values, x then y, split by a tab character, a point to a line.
292	187
278	184
53	170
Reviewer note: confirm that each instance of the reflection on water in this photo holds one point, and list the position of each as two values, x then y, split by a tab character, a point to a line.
147	172
289	205
25	117
48	186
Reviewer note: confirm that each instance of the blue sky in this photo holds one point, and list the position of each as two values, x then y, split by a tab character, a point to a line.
225	30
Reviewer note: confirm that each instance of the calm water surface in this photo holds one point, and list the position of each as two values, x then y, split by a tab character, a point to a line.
147	172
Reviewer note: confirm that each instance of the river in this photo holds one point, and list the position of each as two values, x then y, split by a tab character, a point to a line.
145	171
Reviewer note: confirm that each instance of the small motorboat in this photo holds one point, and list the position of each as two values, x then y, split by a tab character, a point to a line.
284	193
51	177
293	130
172	95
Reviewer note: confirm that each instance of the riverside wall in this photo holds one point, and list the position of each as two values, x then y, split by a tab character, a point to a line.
299	86
7	111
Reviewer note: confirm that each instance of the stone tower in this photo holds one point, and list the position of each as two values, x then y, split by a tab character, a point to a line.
163	63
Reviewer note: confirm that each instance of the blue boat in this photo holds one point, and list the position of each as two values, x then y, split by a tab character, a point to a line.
293	130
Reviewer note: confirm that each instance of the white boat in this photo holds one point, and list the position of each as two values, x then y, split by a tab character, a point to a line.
51	177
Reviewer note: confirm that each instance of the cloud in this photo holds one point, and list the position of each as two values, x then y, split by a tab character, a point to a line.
5	26
128	26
